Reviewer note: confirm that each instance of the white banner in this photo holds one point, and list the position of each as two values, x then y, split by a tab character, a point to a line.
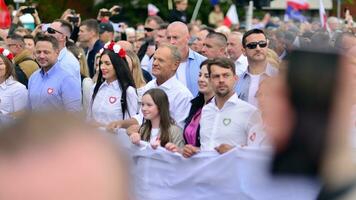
242	173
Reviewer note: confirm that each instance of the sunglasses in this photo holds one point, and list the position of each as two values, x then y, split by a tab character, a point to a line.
253	45
53	31
149	29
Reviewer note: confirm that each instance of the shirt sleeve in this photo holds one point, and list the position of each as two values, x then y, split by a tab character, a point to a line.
20	98
71	94
132	101
182	109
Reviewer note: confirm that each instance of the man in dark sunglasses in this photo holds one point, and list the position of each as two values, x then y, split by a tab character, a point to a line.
255	46
61	30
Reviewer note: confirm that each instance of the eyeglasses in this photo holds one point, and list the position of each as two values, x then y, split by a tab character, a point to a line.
253	45
149	29
53	31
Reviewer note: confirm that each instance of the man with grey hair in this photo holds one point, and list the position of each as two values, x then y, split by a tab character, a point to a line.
234	51
165	63
189	67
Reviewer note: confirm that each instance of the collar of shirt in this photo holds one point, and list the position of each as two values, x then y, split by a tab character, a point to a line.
191	54
62	53
270	71
50	72
9	81
114	84
168	84
231	101
242	59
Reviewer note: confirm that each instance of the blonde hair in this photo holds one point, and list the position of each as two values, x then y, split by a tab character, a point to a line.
136	69
80	55
272	58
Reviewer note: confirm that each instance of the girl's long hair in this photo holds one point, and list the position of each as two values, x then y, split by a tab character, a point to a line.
160	98
123	76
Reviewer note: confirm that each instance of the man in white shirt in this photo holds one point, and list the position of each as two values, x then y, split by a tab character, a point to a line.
226	121
165	64
234	51
255	49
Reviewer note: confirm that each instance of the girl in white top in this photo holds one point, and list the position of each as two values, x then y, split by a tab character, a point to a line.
13	95
159	128
114	95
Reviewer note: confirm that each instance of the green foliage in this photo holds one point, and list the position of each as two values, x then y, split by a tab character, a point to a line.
136	10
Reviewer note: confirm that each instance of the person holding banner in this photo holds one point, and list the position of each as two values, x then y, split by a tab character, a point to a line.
227	121
159	128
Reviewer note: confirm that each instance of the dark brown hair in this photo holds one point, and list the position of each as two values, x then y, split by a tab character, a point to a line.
9	67
226	63
160	98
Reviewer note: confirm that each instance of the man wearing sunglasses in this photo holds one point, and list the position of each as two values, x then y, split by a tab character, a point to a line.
254	44
61	30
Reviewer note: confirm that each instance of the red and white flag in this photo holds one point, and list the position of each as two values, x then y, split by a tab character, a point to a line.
298	4
5	19
323	16
231	16
152	9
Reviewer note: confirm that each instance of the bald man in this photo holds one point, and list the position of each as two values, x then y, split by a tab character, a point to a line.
234	51
188	70
57	157
214	45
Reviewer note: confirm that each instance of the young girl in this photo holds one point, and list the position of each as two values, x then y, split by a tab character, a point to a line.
158	128
114	95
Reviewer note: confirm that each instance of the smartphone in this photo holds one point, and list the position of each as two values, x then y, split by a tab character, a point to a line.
73	19
106	14
311	82
28	10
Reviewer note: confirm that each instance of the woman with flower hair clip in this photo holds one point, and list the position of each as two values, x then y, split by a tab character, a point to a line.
13	95
114	95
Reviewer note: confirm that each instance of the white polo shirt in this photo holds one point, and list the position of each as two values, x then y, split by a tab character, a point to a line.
13	96
178	96
237	123
107	103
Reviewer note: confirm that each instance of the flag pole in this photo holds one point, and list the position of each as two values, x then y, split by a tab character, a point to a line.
249	16
196	10
338	8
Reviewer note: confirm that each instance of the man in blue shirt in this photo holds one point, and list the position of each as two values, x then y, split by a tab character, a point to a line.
61	30
51	87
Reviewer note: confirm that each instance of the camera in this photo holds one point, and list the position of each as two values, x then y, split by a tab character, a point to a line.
28	10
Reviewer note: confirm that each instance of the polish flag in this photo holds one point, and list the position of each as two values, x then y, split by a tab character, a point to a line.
323	16
5	19
231	16
298	4
152	9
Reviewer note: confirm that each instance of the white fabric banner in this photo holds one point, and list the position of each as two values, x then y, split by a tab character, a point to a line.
242	173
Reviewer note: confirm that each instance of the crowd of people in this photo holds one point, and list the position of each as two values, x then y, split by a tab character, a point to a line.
185	87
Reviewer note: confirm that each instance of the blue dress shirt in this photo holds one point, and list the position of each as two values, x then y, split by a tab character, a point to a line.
192	71
69	63
54	89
